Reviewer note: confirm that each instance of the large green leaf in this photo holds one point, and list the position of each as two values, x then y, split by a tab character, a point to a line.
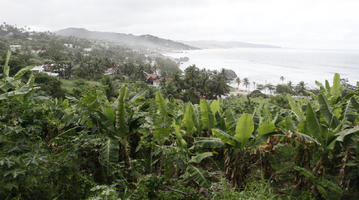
30	82
110	113
181	142
121	124
350	112
215	110
265	128
296	108
199	157
137	97
313	127
197	175
6	66
161	104
23	71
206	116
320	85
196	116
109	152
28	87
336	89
208	143
311	94
288	124
230	122
342	134
305	172
161	133
329	187
266	115
355	104
307	138
326	112
215	107
224	136
327	86
244	128
161	122
187	121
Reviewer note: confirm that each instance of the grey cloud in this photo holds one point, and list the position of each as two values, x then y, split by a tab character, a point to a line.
284	22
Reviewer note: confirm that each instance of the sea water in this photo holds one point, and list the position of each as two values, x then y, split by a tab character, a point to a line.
267	65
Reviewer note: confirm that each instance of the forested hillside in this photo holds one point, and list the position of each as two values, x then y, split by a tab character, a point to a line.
142	42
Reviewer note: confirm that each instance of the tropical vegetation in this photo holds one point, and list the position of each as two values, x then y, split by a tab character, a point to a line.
116	137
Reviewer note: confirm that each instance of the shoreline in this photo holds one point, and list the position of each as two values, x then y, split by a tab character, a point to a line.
267	65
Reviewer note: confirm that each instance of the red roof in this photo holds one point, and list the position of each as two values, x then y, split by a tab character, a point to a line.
153	76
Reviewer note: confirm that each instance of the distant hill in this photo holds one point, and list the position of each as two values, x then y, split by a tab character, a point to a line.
143	42
207	44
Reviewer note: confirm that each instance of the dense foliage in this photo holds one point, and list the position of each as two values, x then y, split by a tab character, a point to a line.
141	145
73	58
195	84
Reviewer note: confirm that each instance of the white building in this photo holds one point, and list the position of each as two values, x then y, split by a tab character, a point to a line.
37	51
41	68
69	45
87	49
14	47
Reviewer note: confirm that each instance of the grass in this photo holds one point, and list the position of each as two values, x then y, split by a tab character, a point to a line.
260	189
69	85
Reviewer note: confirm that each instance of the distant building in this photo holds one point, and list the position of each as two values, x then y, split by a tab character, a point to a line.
155	80
156	83
69	45
110	71
42	68
37	51
87	49
14	47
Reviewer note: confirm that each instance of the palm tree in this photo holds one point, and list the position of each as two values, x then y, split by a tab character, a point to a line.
300	88
254	85
282	78
260	87
246	83
290	84
270	87
238	81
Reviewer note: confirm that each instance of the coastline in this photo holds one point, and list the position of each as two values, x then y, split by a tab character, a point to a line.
267	65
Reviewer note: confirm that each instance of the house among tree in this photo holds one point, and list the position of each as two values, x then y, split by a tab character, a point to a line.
69	45
43	68
87	49
14	47
110	71
153	79
37	51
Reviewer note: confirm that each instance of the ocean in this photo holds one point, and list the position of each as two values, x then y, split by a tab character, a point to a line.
267	65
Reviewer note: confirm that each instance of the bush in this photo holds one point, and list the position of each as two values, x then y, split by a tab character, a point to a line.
50	85
283	89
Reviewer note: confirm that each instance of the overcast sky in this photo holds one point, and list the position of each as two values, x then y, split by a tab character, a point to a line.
291	23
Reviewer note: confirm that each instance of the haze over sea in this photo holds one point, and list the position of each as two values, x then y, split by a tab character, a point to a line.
267	65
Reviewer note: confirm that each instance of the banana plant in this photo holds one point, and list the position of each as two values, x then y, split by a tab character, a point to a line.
240	143
188	121
328	121
326	188
13	86
162	123
206	115
118	118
